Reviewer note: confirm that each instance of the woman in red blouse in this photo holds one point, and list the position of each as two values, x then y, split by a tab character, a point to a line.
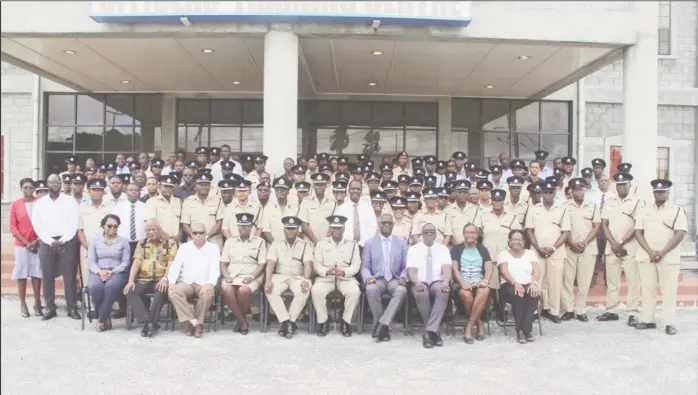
26	246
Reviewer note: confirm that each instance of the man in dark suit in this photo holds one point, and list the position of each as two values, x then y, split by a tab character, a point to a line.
383	269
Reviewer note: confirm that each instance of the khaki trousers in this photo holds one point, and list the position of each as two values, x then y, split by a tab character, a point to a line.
614	266
581	268
551	273
667	277
179	294
349	288
281	283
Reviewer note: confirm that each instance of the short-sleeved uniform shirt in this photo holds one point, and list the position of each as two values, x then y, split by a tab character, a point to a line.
273	212
582	220
438	218
403	229
471	262
91	217
495	230
344	255
290	257
548	225
155	257
314	212
519	209
207	212
460	217
167	212
230	222
621	215
659	225
244	256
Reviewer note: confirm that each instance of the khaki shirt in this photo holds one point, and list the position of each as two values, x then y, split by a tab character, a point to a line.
315	212
91	217
582	221
440	219
403	229
397	171
168	213
272	215
519	209
459	218
206	212
244	257
621	216
290	258
659	225
548	226
344	255
109	198
230	223
254	178
495	230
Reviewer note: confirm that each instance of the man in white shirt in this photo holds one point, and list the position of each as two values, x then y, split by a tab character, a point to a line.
121	166
55	221
361	224
193	273
429	271
216	171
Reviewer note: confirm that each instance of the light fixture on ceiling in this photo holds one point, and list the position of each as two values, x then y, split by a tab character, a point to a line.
377	52
125	81
236	82
207	50
524	57
69	51
371	83
185	21
489	86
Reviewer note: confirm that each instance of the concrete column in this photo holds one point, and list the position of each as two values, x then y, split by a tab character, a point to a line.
169	126
640	96
445	145
280	98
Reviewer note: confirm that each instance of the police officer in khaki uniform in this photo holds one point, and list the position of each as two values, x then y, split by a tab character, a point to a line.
315	209
659	229
585	223
241	204
414	204
336	263
548	227
204	208
272	228
402	225
618	224
289	266
165	208
243	260
514	203
432	214
462	212
226	190
91	215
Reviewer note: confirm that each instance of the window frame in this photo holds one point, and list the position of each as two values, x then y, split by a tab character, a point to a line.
673	22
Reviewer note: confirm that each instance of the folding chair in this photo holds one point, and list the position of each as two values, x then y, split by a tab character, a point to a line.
409	327
287	294
336	300
454	323
168	312
363	301
506	324
262	307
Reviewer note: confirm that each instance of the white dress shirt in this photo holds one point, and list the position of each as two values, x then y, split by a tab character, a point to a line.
506	173
123	170
417	258
367	220
122	209
387	243
217	172
196	265
56	218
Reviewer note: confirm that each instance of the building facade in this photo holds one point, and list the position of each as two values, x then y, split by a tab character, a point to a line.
591	94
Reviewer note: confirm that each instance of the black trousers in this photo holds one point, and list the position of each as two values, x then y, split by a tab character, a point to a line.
136	300
59	263
522	308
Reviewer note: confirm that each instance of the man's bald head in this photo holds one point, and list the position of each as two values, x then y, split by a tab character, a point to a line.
386	224
386	218
429	234
198	227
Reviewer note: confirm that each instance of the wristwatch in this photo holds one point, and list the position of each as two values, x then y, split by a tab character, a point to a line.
554	248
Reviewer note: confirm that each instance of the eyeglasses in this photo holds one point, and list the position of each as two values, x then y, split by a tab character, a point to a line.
429	232
198	233
387	223
110	226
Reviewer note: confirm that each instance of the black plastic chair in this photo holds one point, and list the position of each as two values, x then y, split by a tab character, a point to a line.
287	294
385	297
455	323
410	302
505	314
86	307
336	300
262	307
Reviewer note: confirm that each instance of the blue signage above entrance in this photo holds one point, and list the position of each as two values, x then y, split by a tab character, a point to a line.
402	13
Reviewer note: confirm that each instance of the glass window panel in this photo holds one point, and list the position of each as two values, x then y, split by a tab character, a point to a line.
459	141
465	114
252	138
226	134
192	112
97	157
524	145
527	116
357	138
253	112
383	142
89	138
555	117
120	110
226	112
664	9
90	110
662	153
495	143
332	140
420	142
495	115
144	138
301	150
118	139
664	48
54	163
556	145
156	144
356	113
421	115
182	138
59	138
663	35
387	114
322	112
61	110
192	136
149	110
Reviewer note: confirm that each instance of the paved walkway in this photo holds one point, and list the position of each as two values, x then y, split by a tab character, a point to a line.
57	358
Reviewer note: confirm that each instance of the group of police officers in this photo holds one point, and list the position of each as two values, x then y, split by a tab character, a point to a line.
291	218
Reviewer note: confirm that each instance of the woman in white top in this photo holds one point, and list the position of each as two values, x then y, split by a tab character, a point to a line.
518	268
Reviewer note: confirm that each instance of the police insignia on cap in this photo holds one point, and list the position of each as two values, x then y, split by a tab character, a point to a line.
336	220
291	221
244	218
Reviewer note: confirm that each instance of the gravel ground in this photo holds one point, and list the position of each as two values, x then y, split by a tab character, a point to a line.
56	357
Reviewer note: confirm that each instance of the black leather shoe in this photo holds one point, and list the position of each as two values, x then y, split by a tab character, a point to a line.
376	327
154	328
345	328
426	340
323	328
283	330
670	330
90	315
291	329
50	314
74	314
547	314
384	333
236	328
145	330
632	320
438	341
118	315
646	325
608	317
582	317
567	316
